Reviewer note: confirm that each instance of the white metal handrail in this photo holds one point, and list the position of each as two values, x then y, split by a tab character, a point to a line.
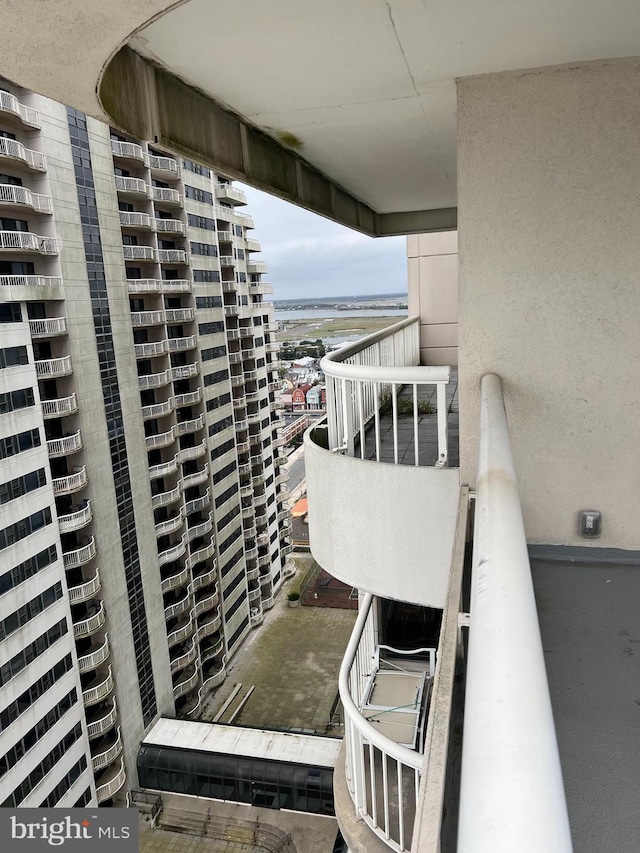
512	795
136	185
134	219
169	225
11	104
21	195
172	256
127	149
26	241
371	758
363	376
165	194
139	253
15	149
164	164
30	281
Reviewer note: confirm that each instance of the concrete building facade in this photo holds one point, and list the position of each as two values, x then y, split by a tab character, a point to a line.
144	530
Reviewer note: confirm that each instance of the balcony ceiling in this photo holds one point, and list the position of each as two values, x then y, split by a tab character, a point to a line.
364	91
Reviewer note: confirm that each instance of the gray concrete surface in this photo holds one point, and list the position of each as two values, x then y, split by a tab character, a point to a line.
590	625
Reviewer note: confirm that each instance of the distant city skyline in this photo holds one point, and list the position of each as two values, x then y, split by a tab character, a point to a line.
309	256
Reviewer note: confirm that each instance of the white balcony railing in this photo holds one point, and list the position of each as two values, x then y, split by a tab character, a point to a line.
10	104
102	759
75	520
51	367
179	315
151	349
156	285
98	727
99	691
154	380
48	327
158	410
71	482
93	659
139	253
382	774
186	371
65	445
164	164
227	192
132	185
512	795
115	781
30	281
25	241
133	219
166	195
16	150
88	626
182	344
10	194
192	452
173	226
131	150
84	591
364	377
172	256
80	556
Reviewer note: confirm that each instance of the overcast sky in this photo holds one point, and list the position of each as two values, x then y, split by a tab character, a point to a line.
309	256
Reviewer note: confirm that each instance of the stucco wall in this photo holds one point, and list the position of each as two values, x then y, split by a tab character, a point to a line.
432	271
549	294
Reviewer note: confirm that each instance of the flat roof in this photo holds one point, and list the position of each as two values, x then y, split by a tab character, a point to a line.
250	743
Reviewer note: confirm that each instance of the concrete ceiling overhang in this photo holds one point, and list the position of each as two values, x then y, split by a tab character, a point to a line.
347	108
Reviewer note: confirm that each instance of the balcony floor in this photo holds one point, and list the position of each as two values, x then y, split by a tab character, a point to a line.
427	430
590	625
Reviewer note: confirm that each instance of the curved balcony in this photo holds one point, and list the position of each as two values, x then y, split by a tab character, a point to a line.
252	574
213	651
241	425
64	446
164	528
187	684
248	511
201	555
154	380
182	344
193	425
11	149
265	580
207	603
189	398
87	627
207	577
262	539
48	328
103	757
110	783
260	500
282	478
80	556
132	186
173	256
257	618
184	630
98	723
163	439
209	626
147	318
289	569
283	494
257	480
198	503
286	525
192	452
60	407
178	607
264	560
150	350
166	498
254	594
196	478
163	469
246	491
100	688
128	150
11	195
268	602
139	253
164	164
186	658
179	315
385	710
199	530
71	483
166	195
214	680
158	410
75	520
133	219
92	660
86	590
169	226
53	367
286	547
10	105
175	580
173	552
186	371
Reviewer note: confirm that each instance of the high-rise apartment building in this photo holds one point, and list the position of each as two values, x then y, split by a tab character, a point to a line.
143	530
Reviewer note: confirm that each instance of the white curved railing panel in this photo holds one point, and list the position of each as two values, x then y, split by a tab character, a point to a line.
512	795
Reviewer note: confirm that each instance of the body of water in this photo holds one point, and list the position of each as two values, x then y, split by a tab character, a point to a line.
332	314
